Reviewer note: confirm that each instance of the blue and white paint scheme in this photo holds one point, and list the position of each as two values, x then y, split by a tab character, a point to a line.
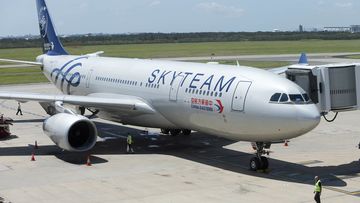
235	102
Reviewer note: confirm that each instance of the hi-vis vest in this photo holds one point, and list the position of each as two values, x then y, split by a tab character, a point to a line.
317	186
129	139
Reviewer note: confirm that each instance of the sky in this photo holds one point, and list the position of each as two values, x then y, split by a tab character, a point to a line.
19	17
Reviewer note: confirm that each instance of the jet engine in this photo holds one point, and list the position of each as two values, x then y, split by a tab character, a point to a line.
71	132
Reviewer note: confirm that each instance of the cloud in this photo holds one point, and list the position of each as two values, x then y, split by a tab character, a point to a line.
344	4
214	7
154	3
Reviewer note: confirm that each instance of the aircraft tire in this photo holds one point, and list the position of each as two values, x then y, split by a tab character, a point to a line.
165	131
265	163
175	132
254	164
186	132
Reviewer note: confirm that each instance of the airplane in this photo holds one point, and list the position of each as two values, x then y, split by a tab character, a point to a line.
235	102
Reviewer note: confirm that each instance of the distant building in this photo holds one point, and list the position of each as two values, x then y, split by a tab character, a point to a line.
337	29
355	28
301	28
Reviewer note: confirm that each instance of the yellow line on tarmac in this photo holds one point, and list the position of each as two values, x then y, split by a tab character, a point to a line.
355	193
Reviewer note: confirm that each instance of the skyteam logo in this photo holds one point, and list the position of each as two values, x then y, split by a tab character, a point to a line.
43	21
68	74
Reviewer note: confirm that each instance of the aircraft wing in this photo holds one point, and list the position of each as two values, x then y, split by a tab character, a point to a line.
22	62
279	70
123	103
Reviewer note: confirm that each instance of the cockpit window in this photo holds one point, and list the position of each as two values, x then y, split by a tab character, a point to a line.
297	98
284	98
275	97
306	97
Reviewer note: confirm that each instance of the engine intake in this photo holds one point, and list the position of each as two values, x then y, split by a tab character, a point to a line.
71	132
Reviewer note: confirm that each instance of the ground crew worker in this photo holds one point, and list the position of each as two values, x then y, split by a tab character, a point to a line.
318	189
130	141
19	109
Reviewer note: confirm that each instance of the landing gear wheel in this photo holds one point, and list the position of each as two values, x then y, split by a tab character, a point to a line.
254	164
175	132
82	110
265	163
165	131
260	162
186	132
51	110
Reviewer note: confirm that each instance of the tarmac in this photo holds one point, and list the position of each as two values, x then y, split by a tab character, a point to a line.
196	168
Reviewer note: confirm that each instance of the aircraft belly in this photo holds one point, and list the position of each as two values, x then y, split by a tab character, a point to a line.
146	120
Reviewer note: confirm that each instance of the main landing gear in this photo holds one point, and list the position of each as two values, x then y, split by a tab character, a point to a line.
260	162
175	132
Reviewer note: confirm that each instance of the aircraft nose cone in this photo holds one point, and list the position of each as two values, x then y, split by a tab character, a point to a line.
308	117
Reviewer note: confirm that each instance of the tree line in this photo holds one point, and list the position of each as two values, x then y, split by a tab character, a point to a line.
146	38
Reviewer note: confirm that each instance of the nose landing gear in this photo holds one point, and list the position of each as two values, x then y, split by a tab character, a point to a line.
260	162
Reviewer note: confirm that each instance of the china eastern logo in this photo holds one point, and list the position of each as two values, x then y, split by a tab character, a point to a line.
219	106
207	105
67	75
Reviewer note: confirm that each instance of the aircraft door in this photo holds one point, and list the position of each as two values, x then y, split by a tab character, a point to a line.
238	102
88	78
174	89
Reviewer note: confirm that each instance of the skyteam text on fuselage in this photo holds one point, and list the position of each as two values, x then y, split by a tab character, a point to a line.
236	102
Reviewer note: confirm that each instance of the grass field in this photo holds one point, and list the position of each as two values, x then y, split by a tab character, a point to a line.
257	64
355	56
186	49
21	75
201	49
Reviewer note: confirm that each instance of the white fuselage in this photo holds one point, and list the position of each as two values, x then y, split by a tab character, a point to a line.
228	101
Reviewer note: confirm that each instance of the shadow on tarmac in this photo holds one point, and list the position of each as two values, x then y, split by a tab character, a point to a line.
10	137
198	147
29	121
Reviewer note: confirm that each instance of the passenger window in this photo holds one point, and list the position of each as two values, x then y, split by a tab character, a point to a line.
275	97
284	98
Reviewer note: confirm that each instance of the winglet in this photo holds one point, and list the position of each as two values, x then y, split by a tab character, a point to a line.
303	59
51	42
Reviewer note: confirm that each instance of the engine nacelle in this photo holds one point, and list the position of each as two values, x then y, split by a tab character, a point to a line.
71	132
